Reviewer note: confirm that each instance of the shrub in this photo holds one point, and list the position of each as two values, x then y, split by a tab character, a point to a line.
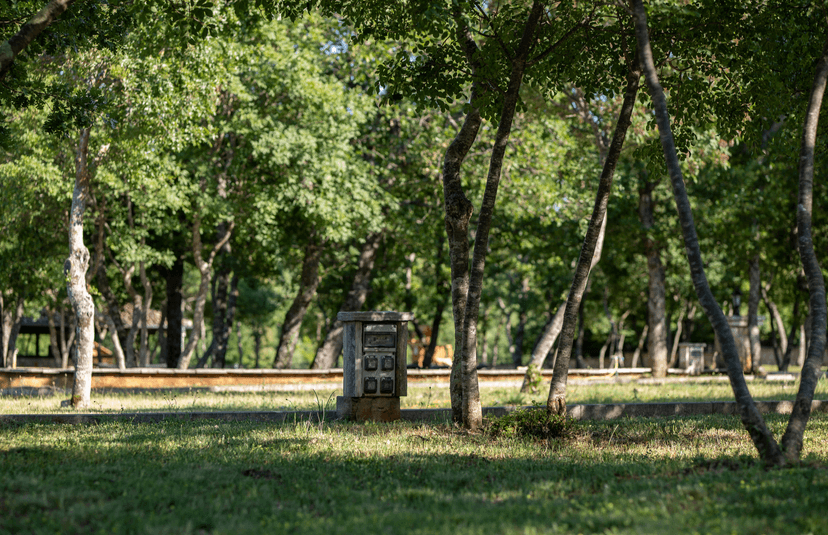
532	423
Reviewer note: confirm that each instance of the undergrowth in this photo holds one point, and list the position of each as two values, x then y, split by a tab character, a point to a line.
533	423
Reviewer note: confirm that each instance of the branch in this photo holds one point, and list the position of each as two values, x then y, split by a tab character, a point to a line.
11	48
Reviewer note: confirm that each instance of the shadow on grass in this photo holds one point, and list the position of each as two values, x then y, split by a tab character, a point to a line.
209	477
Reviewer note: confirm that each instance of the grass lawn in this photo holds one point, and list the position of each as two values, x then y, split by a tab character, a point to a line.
434	396
677	475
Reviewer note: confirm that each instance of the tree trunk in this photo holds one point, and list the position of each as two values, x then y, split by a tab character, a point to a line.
753	315
221	300
328	353
556	402
14	332
792	439
112	308
777	320
120	360
472	410
205	268
175	315
677	337
435	332
656	300
143	351
74	271
639	347
752	420
308	282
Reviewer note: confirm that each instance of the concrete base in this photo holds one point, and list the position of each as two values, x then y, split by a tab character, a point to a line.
378	409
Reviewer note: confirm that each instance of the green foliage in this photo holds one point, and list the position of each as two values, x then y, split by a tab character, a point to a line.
533	423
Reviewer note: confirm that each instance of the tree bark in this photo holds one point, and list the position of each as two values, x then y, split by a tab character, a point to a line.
143	348
656	300
328	353
556	402
29	31
205	268
754	276
777	319
435	332
677	337
472	411
75	272
751	418
175	316
118	351
792	439
10	347
308	282
639	347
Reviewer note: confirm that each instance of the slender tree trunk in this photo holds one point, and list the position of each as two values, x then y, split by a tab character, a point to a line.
328	353
792	439
677	338
175	314
54	345
556	402
143	351
120	360
552	329
257	344
5	331
205	268
777	319
239	343
435	332
786	359
639	347
656	300
752	420
753	315
14	332
220	299
472	410
75	272
112	308
308	282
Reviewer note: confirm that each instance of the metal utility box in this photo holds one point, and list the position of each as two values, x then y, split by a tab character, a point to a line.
691	358
374	364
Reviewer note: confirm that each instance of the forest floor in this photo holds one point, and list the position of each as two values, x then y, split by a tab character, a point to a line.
657	475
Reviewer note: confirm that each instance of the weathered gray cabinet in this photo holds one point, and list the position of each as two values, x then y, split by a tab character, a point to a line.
374	355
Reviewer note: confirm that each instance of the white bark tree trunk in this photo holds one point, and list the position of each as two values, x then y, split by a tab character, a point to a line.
75	272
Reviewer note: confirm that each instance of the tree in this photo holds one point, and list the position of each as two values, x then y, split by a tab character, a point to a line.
769	449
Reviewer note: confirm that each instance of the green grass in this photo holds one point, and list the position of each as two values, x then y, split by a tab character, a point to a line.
433	396
677	475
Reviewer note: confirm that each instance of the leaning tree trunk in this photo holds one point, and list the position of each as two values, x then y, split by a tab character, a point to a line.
751	418
74	271
553	327
792	439
328	353
308	282
556	402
